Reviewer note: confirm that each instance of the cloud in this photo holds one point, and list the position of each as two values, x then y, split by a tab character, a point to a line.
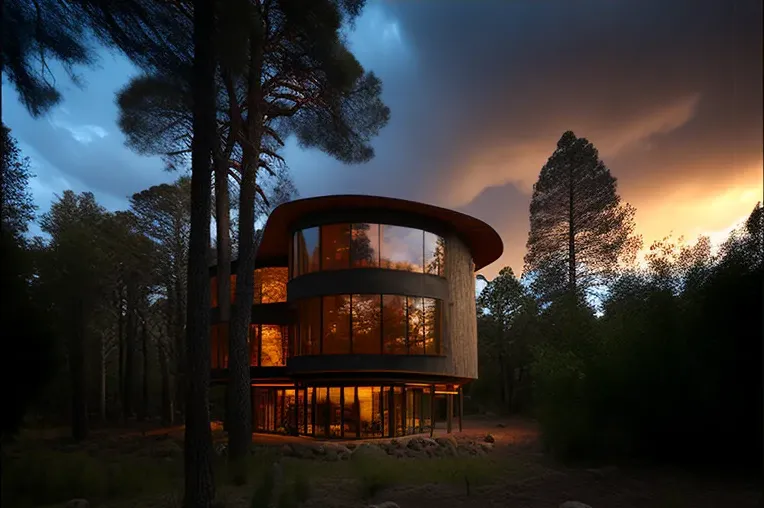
669	92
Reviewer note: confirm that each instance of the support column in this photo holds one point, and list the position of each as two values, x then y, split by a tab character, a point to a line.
449	411
432	409
461	407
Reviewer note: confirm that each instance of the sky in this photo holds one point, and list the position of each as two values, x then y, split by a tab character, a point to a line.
480	92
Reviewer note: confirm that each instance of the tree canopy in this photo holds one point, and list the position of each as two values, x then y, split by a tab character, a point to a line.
580	231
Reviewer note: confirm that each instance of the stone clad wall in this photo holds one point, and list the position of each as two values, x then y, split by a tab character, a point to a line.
460	340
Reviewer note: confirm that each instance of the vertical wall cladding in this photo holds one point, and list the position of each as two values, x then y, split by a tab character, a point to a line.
460	341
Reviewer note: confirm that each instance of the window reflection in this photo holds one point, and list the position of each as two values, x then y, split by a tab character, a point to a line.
368	324
415	325
434	254
336	325
366	321
270	285
433	319
335	247
219	345
306	258
364	245
401	248
310	326
273	345
394	324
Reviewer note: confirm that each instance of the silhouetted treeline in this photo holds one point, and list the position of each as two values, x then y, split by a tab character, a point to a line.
659	360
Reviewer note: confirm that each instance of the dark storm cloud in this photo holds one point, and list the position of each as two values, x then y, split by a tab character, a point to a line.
670	92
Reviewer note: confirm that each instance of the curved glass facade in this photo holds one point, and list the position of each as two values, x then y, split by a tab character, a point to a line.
369	324
365	245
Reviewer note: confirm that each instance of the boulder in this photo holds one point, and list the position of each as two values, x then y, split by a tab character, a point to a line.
367	451
489	438
574	504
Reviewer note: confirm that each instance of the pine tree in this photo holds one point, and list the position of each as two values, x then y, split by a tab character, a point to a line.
580	231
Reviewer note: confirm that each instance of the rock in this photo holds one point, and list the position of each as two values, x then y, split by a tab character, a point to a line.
414	444
350	446
367	451
448	442
77	503
574	504
386	504
501	425
427	441
486	446
221	449
331	455
320	450
489	438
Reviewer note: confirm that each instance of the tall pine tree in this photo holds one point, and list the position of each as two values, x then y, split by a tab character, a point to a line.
580	230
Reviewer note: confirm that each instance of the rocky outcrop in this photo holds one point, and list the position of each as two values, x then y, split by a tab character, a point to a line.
416	447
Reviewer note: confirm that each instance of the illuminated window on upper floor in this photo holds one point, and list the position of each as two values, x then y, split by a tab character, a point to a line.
269	286
369	324
365	245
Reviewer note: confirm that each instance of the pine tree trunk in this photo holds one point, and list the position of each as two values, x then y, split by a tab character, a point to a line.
121	359
127	400
199	489
180	350
239	381
78	378
223	252
102	384
571	236
164	368
145	377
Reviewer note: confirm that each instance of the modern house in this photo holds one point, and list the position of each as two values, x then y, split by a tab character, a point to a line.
363	318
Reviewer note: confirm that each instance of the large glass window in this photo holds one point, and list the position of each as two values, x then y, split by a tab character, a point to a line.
219	346
394	324
273	345
254	345
415	325
336	325
335	247
270	285
310	326
366	245
366	324
402	248
434	254
433	325
307	256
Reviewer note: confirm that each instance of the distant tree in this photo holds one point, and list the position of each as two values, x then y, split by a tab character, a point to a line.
580	231
74	270
18	208
508	321
163	215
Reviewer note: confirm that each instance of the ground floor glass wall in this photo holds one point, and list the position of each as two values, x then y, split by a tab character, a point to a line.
345	412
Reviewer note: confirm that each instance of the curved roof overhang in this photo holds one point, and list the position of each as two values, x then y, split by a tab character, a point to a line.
481	239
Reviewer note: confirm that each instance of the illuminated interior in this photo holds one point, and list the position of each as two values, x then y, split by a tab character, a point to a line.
369	324
344	411
269	286
364	245
268	345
